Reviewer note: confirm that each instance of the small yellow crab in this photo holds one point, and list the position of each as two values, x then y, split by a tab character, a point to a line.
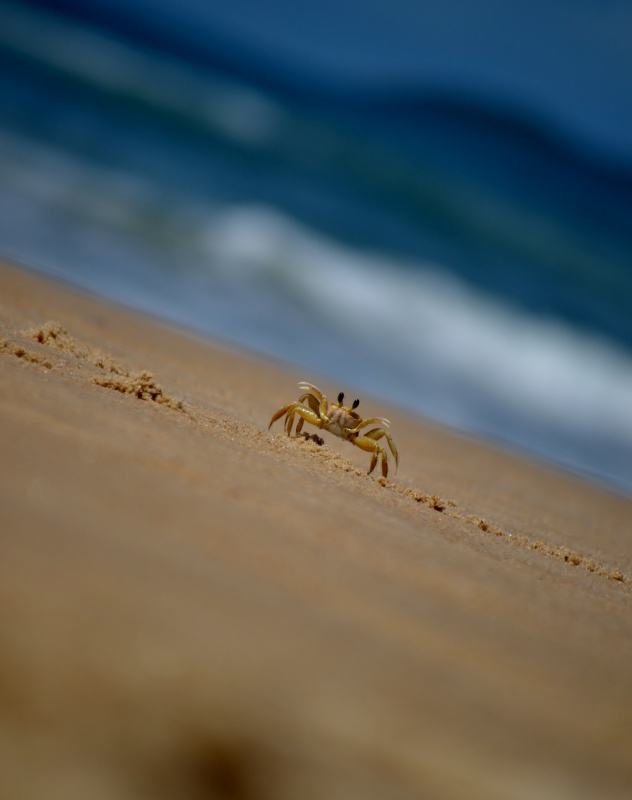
337	419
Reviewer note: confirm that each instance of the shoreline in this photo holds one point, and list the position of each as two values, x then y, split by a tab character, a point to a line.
194	603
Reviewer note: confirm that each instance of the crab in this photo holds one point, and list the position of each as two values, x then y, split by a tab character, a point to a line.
313	407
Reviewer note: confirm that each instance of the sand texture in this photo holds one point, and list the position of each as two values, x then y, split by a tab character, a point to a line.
192	606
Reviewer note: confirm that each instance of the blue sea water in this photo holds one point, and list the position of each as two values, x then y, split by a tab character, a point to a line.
466	257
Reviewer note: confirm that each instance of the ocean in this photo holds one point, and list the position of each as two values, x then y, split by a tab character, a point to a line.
449	253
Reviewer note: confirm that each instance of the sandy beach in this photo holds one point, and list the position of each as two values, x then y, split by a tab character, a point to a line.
193	606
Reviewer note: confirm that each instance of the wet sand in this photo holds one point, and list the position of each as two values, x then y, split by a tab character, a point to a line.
192	606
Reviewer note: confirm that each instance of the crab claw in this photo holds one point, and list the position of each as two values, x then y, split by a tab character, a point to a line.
308	387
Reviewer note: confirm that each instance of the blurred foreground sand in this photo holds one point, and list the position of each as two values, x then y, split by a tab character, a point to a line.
194	607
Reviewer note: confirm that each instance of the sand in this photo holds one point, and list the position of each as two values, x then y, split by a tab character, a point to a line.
192	606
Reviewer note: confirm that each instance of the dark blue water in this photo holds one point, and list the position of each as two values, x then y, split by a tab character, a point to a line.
471	248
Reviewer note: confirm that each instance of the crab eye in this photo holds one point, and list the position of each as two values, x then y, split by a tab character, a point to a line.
341	397
356	403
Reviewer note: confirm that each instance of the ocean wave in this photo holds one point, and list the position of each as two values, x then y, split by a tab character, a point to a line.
214	205
430	178
132	74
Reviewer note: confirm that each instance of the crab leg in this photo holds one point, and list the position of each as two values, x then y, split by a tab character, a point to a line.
308	400
306	414
311	401
371	421
376	434
279	414
301	420
323	407
371	446
368	442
